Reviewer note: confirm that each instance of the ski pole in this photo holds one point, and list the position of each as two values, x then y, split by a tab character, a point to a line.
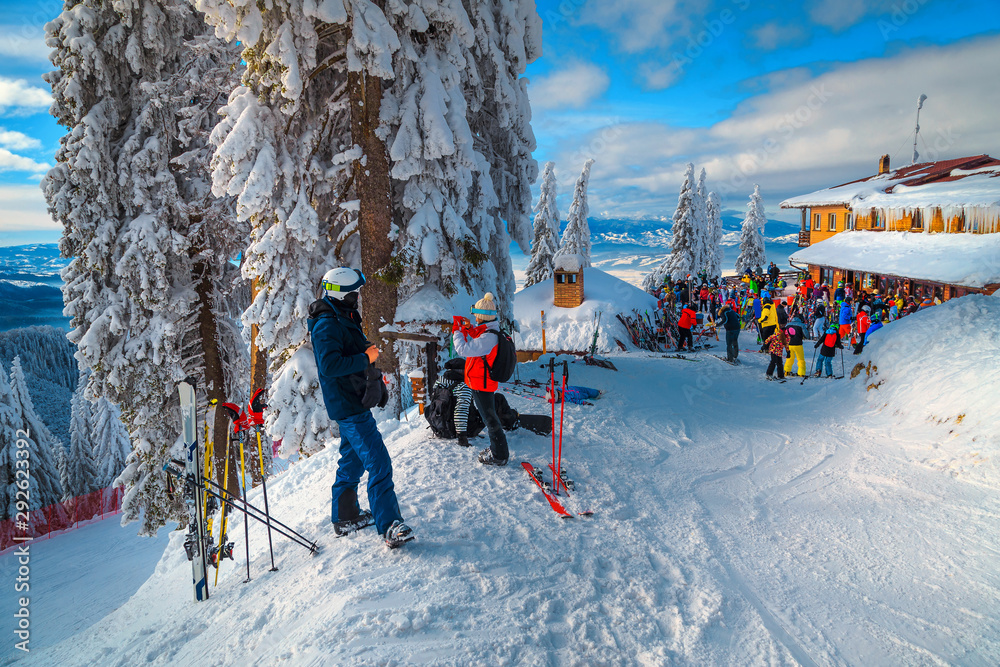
552	391
267	510
842	371
813	366
246	524
562	411
225	506
249	510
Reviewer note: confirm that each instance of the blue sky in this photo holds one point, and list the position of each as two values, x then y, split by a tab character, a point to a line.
793	96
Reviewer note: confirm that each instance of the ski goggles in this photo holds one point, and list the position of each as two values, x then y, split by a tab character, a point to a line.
345	288
483	311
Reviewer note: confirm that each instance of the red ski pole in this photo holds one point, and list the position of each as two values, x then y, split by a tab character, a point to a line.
552	393
562	411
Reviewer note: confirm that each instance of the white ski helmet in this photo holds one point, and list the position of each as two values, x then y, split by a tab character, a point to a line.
341	281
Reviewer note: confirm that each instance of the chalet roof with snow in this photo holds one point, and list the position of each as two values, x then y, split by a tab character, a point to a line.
969	182
967	260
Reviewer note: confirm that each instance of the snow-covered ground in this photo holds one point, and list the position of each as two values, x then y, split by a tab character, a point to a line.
77	578
737	522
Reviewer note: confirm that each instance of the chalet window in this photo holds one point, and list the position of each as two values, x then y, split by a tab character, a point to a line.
560	278
572	279
877	220
816	222
848	222
916	221
831	219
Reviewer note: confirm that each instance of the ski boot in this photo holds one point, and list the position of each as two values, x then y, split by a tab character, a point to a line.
398	534
348	526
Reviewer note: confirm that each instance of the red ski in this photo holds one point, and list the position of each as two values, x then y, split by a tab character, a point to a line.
553	503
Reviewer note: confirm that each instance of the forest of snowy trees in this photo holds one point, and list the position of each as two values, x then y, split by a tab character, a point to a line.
287	137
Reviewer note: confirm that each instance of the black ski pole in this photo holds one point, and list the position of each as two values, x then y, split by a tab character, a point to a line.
267	510
842	372
246	524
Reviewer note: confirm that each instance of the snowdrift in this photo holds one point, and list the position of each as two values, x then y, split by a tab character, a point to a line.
572	329
939	368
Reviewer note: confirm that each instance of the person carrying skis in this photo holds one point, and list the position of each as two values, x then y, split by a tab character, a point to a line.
768	320
795	330
731	322
776	343
344	359
830	343
876	325
687	320
479	347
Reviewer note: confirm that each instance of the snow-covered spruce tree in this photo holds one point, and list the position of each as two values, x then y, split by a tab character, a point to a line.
545	244
111	442
283	149
137	85
701	231
10	422
752	235
45	488
683	245
80	477
713	264
576	238
457	124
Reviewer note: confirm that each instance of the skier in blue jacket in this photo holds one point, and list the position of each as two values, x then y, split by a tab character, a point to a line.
343	355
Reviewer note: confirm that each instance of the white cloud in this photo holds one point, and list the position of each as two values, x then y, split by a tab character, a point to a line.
810	134
23	208
12	162
17	141
574	87
774	35
18	95
23	42
639	25
839	15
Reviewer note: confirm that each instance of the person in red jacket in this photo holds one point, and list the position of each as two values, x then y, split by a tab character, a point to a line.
703	297
687	320
863	321
479	346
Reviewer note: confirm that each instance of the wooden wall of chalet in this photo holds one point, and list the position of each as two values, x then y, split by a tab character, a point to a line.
567	291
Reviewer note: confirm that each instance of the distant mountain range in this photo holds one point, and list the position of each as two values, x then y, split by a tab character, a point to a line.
30	286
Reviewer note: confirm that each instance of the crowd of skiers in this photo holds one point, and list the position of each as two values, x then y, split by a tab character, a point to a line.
759	300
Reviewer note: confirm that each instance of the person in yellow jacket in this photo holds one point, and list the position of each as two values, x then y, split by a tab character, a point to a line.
768	320
795	330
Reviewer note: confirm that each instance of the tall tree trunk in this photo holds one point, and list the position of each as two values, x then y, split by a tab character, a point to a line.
215	384
258	379
379	298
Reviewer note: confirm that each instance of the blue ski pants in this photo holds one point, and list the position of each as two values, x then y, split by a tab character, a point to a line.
362	449
821	361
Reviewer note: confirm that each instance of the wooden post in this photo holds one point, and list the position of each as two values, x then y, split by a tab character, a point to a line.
543	332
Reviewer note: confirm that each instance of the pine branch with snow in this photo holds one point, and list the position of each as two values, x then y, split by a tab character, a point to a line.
684	244
576	238
545	244
752	235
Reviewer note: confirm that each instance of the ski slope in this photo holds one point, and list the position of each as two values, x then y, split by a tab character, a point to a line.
738	522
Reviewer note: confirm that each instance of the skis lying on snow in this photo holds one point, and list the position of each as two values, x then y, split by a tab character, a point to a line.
554	503
677	356
591	360
731	363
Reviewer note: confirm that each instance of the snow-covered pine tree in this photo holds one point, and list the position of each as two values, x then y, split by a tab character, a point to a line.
701	228
752	235
149	280
576	238
80	477
283	149
460	142
10	421
684	244
714	262
111	442
45	488
545	244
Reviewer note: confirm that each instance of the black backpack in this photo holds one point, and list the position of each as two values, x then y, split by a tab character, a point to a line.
506	359
439	412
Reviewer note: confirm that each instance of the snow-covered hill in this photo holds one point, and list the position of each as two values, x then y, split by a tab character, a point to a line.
737	522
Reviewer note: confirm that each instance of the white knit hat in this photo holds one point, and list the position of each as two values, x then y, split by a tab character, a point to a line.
485	309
